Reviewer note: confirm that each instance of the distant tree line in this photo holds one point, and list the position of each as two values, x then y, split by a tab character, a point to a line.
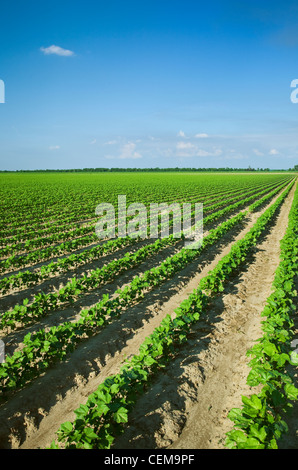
157	169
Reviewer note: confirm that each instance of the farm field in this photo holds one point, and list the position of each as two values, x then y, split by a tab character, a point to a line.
131	343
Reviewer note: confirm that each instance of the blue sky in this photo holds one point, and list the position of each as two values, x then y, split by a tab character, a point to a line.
148	83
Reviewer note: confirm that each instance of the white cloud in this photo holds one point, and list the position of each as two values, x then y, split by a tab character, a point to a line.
93	142
181	134
257	152
205	153
54	147
273	152
184	145
201	136
111	142
127	152
57	51
187	149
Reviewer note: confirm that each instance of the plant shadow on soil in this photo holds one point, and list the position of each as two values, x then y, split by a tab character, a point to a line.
35	401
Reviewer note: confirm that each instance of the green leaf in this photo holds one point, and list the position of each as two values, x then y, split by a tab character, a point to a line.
282	359
101	409
253	402
237	417
115	389
270	349
148	361
291	391
88	434
258	432
82	411
66	427
121	415
239	437
53	445
251	443
252	406
273	444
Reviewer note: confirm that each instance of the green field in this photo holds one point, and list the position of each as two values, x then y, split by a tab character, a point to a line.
71	304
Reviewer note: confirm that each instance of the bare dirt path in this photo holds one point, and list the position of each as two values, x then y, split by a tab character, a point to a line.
31	417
